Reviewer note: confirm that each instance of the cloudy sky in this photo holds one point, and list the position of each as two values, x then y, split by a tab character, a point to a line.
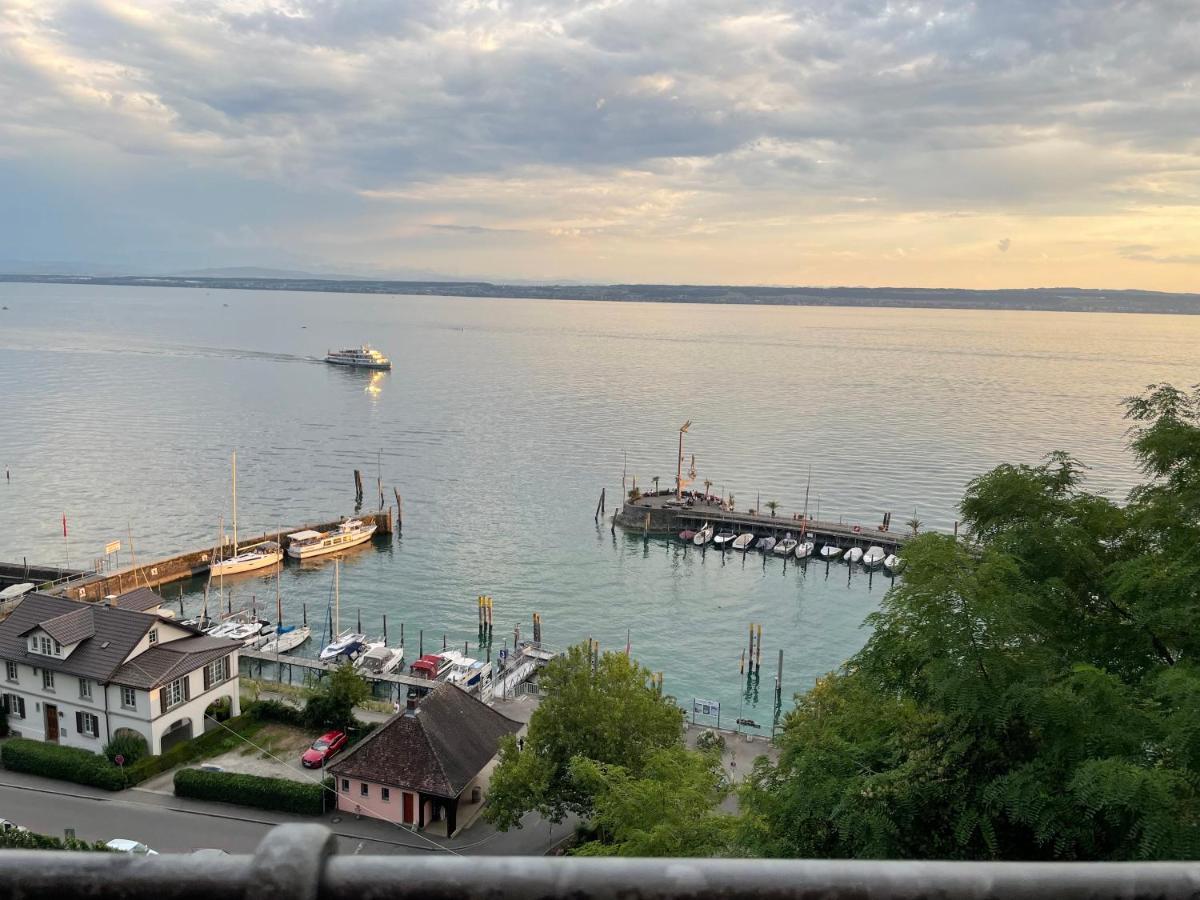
988	144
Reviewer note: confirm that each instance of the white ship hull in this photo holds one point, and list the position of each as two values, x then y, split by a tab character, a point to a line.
246	562
357	363
332	543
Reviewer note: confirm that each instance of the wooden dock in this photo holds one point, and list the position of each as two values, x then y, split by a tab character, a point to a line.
659	514
97	585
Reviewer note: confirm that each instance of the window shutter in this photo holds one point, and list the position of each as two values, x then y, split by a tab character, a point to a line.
21	703
187	688
163	702
79	723
227	668
207	679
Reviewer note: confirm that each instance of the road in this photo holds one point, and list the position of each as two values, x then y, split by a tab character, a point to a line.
176	825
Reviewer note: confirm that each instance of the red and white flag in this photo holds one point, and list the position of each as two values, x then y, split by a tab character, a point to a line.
64	524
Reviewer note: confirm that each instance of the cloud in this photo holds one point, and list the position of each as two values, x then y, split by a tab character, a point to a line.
1147	253
686	120
1003	244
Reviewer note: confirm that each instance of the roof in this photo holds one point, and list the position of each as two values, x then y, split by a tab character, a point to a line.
438	749
100	654
140	599
306	535
163	663
69	628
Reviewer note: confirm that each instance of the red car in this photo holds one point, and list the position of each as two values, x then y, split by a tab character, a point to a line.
323	748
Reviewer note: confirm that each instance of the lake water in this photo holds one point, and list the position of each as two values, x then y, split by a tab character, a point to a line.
503	419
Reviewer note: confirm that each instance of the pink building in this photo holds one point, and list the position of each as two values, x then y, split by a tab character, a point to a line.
426	766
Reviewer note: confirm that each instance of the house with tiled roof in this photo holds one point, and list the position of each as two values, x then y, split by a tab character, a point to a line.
427	766
79	673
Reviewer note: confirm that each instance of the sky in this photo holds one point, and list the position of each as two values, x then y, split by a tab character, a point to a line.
1015	143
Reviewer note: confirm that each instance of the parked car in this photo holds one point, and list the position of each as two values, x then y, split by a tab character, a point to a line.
124	845
323	748
7	826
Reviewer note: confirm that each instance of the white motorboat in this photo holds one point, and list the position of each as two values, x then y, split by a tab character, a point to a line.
787	546
767	544
286	638
805	549
16	590
703	536
724	540
829	551
743	541
362	357
893	563
307	544
248	632
379	659
853	555
873	557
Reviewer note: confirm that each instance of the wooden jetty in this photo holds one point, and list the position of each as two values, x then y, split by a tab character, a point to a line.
661	514
97	585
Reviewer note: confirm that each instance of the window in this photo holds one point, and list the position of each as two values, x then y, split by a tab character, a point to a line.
128	698
175	693
47	680
364	789
44	646
216	672
87	724
153	636
346	785
385	794
57	649
10	671
85	689
14	706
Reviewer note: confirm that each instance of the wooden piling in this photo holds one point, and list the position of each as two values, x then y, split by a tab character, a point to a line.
758	648
399	512
385	629
600	506
358	489
304	612
401	634
421	645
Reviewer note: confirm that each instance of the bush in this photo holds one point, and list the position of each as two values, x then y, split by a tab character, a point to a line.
281	794
130	745
275	711
30	840
66	763
710	740
210	743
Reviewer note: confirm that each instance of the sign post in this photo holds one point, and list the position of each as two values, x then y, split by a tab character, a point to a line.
706	708
110	548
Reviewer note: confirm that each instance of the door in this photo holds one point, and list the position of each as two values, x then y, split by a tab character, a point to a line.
408	808
51	722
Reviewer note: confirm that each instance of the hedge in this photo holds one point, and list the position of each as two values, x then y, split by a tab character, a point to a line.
211	743
66	763
31	840
274	711
280	794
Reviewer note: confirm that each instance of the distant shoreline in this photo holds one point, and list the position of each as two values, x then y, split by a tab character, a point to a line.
1041	299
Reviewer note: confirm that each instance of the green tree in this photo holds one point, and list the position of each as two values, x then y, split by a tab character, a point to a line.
1030	695
332	704
603	710
669	810
772	505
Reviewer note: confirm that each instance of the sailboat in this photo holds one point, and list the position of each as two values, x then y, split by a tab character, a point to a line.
345	644
258	556
284	638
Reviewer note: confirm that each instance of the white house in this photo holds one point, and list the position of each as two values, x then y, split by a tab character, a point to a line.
78	673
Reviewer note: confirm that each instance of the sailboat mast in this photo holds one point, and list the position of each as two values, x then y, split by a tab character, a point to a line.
235	544
337	599
806	489
278	595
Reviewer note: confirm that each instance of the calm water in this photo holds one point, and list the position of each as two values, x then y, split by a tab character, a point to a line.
503	419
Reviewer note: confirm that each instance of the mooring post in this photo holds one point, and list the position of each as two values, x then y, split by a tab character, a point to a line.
399	512
359	628
304	610
401	634
385	629
358	490
614	522
443	640
421	646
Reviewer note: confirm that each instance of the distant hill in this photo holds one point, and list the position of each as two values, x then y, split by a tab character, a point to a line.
258	273
1060	299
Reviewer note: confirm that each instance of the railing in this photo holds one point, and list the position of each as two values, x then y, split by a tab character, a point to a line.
300	861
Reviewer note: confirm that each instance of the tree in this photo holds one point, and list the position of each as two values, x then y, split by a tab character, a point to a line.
600	710
1030	695
669	810
332	704
772	505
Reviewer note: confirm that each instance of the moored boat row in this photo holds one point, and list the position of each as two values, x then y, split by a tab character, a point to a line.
873	557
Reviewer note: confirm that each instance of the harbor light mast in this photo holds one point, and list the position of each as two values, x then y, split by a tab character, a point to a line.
679	462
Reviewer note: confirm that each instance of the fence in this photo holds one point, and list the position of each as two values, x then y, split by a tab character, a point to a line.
300	861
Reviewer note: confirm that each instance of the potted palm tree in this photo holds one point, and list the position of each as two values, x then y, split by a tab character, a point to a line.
772	505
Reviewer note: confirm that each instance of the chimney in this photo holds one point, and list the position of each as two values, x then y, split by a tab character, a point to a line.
111	600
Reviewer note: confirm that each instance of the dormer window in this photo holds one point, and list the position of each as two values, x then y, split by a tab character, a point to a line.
45	645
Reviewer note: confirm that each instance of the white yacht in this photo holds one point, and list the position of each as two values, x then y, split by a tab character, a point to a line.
805	549
364	357
307	544
285	638
379	659
743	541
873	557
243	559
787	546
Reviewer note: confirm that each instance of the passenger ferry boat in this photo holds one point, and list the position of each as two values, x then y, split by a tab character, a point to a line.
307	544
364	357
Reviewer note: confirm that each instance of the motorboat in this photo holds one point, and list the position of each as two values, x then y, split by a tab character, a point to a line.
379	659
16	590
766	545
853	555
431	666
260	556
873	557
285	639
460	668
787	546
743	541
805	549
362	357
703	536
307	544
248	632
724	540
829	551
686	535
893	564
347	646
